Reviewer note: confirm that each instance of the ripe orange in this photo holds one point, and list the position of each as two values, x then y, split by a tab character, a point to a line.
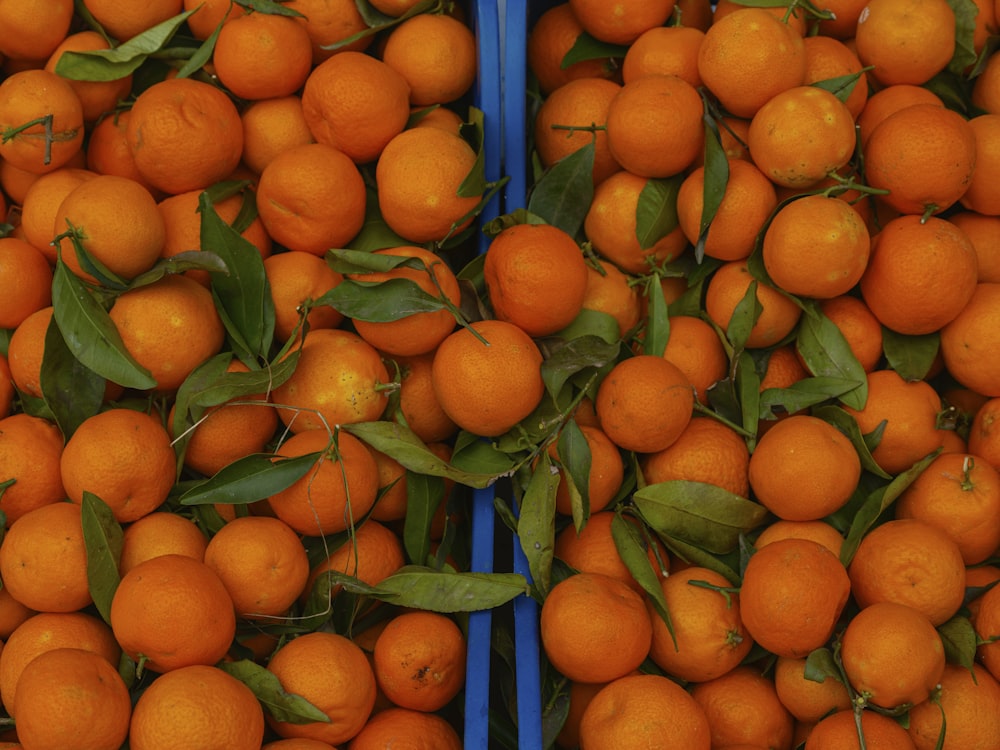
355	103
987	625
905	42
795	19
984	233
936	141
126	20
42	201
983	433
986	87
96	97
262	55
418	333
311	198
12	614
706	451
25	351
108	151
980	196
294	277
563	119
209	14
418	177
419	407
807	700
828	57
747	203
747	58
404	728
742	706
197	704
909	561
792	595
636	711
173	611
594	628
33	29
372	554
269	127
333	495
889	100
892	654
607	470
536	278
801	135
344	690
30	451
611	291
610	226
967	343
817	531
622	23
966	697
43	559
184	135
552	36
655	126
803	468
730	284
709	632
839	731
859	327
338	379
644	403
487	388
436	55
160	533
665	50
118	223
28	98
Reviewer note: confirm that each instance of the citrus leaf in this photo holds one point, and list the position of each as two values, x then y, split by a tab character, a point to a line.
281	705
849	426
910	356
820	665
72	391
586	47
562	195
657	332
586	353
840	86
102	536
249	479
656	211
381	302
424	495
806	392
823	348
744	317
965	25
716	178
695	555
375	234
574	455
536	522
591	323
633	550
959	640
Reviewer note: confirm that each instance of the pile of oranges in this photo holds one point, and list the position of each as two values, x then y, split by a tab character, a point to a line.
730	366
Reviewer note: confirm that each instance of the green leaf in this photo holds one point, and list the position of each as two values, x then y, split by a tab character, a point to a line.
805	393
744	317
474	184
965	24
280	704
90	334
747	392
820	666
695	555
424	495
189	260
72	391
591	323
849	426
840	86
381	302
634	552
375	234
656	211
698	513
270	7
102	536
716	178
202	55
657	332
586	47
959	639
826	352
581	354
574	455
910	356
252	478
562	195
536	524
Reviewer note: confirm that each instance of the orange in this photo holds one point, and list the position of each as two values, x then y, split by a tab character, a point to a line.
392	500
419	660
655	126
184	135
96	97
536	278
892	654
417	333
839	731
262	55
295	277
25	350
966	343
801	135
344	690
338	379
695	347
905	42
965	702
487	377
980	196
664	50
983	433
125	20
817	531
42	201
418	178
593	550
70	697
889	100
748	56
297	743
742	706
637	711
909	410
706	451
610	291
792	595
828	57
563	121
808	700
623	22
173	611
405	729
795	19
610	226
829	259
986	87
419	407
108	151
730	284
579	696
909	561
594	628
958	493
28	100
311	198
16	181
938	142
331	22
160	533
261	562
12	614
644	403
748	199
30	451
33	29
43	559
552	36
209	14
196	704
987	626
859	327
372	554
436	55
984	233
803	468
709	638
271	126
605	477
355	103
438	117
333	495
